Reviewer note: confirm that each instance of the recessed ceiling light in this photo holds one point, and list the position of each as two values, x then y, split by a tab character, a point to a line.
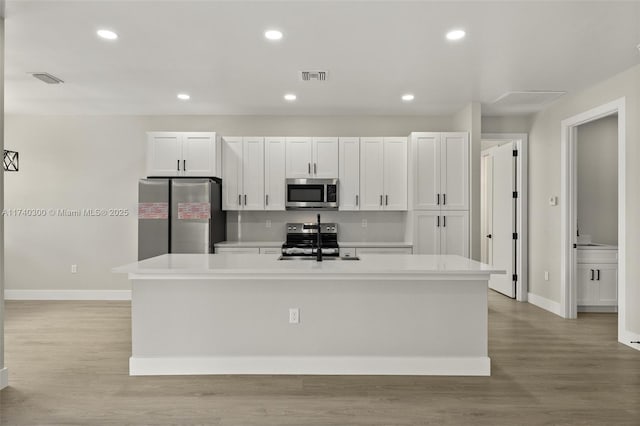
408	97
273	35
456	35
184	96
107	34
290	97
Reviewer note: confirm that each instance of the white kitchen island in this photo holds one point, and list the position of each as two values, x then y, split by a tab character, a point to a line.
230	314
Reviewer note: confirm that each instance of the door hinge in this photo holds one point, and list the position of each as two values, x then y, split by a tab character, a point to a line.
515	277
515	152
515	194
515	235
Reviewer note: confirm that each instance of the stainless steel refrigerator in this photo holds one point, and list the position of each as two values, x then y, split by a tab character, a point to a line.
180	215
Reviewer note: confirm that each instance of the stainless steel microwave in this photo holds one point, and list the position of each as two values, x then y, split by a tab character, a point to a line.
316	194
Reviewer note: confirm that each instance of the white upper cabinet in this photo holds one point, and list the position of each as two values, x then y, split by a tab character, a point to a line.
426	157
441	171
349	174
371	173
312	157
274	173
243	173
383	173
183	154
395	174
299	154
325	158
455	171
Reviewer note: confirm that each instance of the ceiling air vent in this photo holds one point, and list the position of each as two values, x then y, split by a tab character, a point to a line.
316	75
526	101
47	78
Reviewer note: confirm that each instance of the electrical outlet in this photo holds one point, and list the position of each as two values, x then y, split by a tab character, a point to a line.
294	315
74	269
268	223
546	275
364	223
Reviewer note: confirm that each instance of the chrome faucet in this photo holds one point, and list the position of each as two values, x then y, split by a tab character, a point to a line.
319	243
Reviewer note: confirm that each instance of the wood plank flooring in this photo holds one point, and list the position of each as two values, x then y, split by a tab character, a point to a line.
68	366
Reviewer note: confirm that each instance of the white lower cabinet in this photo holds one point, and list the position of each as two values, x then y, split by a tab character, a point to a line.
441	232
597	283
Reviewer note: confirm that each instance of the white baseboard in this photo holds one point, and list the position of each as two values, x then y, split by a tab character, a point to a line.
4	378
67	294
598	309
626	337
544	303
410	366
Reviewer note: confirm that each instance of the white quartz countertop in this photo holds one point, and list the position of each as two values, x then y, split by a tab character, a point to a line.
257	244
257	267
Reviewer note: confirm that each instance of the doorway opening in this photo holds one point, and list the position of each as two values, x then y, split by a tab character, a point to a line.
569	217
504	211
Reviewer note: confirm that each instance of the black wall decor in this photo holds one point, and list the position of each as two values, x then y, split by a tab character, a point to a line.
10	161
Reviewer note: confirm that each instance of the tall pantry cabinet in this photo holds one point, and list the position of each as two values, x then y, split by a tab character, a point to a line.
440	193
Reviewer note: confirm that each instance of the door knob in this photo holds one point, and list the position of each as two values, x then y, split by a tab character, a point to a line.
489	236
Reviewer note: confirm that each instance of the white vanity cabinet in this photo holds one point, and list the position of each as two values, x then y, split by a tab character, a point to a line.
597	278
188	154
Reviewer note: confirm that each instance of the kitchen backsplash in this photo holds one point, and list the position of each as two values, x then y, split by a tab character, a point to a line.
381	226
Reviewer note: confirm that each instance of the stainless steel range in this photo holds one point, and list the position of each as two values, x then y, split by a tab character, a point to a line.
302	241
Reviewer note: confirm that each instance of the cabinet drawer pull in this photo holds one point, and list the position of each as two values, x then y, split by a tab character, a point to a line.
239	199
381	200
356	199
444	221
266	199
315	169
245	199
591	274
308	168
438	199
444	199
438	224
598	278
386	200
184	165
178	165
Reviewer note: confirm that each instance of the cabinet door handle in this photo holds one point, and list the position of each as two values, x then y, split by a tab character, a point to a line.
356	199
266	199
591	274
598	278
239	199
178	165
438	199
245	199
444	199
308	168
444	221
438	224
386	200
315	169
184	165
381	200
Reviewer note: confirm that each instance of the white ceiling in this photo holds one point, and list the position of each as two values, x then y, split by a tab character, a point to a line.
374	51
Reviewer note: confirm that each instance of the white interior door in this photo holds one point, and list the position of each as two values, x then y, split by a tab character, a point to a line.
503	218
486	206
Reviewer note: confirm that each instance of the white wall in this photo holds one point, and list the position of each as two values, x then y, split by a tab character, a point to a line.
506	124
469	120
94	162
544	181
597	148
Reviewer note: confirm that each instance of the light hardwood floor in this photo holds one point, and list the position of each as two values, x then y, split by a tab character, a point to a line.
68	366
